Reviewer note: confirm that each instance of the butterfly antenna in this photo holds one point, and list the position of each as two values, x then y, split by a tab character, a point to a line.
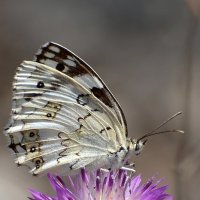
162	124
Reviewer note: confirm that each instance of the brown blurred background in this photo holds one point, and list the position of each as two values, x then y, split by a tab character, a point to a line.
148	54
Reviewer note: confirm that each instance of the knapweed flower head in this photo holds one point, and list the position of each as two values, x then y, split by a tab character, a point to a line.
104	186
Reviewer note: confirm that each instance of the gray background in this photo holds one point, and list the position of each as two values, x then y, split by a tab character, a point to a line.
148	54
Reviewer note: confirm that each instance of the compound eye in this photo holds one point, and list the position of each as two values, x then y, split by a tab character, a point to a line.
137	147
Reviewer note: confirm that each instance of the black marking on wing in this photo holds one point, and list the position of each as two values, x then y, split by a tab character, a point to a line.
40	84
100	93
38	162
59	57
82	99
72	166
95	110
14	145
55	86
14	112
28	97
53	105
30	136
107	128
82	118
85	117
60	67
8	126
28	143
49	115
63	143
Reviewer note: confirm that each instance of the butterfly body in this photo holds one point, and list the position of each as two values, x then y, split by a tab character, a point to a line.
64	117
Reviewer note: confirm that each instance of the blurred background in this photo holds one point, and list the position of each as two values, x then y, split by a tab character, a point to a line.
148	54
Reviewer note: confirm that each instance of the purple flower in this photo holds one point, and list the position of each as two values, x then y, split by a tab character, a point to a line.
104	186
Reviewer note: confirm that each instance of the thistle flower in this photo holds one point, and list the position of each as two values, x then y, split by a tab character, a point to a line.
104	186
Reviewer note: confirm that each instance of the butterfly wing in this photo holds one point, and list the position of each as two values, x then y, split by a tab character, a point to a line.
58	120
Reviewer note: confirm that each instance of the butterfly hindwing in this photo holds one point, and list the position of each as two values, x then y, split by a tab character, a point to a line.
58	121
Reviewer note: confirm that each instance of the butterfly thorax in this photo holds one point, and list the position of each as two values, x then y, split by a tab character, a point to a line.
122	155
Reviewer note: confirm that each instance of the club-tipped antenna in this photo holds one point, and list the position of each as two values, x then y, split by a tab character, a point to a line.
162	124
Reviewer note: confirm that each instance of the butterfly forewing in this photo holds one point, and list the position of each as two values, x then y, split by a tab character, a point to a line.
62	59
63	116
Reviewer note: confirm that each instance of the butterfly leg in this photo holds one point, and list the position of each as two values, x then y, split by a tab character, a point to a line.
129	167
130	164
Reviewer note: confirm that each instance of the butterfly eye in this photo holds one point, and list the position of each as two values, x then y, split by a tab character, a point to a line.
137	148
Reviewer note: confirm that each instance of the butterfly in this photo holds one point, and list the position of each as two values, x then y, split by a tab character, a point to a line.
64	118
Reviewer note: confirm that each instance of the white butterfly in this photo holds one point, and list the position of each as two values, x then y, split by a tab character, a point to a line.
64	117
